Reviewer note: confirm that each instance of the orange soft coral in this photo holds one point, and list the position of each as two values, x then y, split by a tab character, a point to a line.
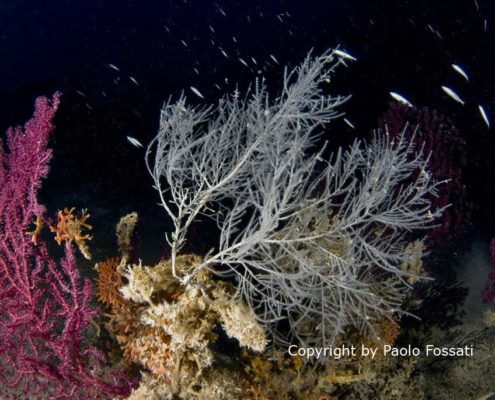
69	228
35	233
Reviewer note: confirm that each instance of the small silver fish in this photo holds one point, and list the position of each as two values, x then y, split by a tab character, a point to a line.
184	43
400	99
133	80
243	62
224	53
197	92
343	54
484	116
114	67
349	123
452	94
134	142
273	58
460	71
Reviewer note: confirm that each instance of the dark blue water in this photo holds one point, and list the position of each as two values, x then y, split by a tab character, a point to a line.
168	46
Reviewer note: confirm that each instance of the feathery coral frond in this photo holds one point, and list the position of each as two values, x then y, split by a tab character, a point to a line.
316	243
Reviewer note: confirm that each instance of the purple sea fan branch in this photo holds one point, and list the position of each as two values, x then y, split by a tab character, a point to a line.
45	310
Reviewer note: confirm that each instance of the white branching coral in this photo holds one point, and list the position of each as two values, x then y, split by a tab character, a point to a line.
317	243
238	320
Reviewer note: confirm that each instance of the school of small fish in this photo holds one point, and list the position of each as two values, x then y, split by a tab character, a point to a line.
450	93
260	66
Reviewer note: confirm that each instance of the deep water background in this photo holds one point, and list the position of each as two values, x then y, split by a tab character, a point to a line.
402	46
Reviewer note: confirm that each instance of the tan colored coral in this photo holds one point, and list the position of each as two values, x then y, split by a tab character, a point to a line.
157	281
140	284
193	309
238	320
221	384
124	230
189	323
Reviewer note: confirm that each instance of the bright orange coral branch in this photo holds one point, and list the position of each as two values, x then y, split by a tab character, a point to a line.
69	228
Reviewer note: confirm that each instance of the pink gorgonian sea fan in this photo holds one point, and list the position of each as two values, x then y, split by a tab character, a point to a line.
45	312
439	138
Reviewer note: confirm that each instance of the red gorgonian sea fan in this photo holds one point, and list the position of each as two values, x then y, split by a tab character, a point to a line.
45	313
438	137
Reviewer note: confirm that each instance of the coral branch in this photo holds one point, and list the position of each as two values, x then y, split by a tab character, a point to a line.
69	228
440	139
44	306
313	242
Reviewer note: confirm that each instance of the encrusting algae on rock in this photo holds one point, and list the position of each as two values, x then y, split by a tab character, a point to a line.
169	328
